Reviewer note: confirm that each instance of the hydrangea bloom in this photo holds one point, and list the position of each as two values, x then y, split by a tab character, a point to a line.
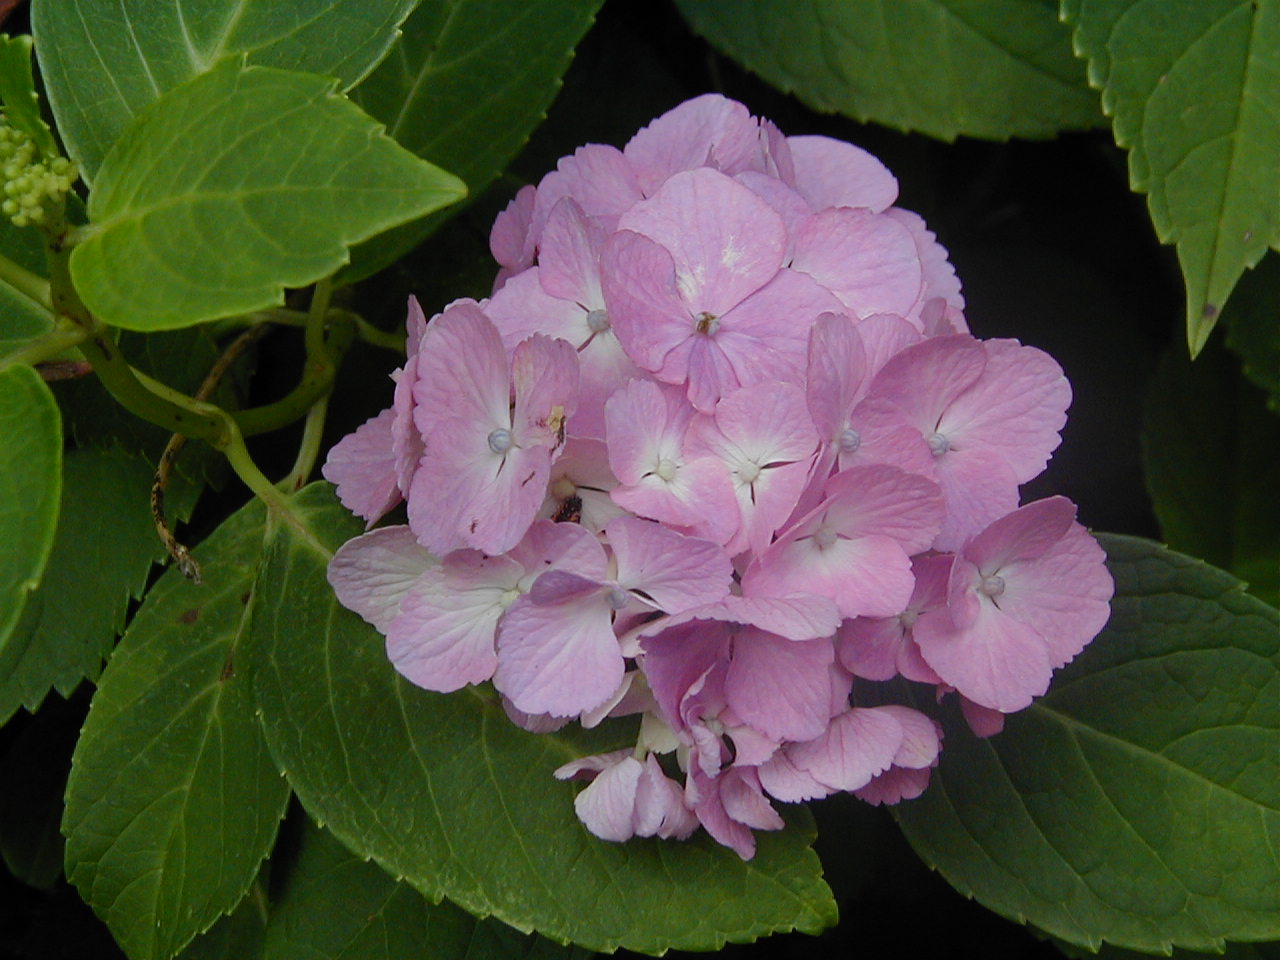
718	452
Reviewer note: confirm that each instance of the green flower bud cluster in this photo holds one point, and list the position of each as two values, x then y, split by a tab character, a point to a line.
27	185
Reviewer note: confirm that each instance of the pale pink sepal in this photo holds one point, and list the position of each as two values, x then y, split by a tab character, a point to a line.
363	467
832	173
372	573
780	686
868	261
709	130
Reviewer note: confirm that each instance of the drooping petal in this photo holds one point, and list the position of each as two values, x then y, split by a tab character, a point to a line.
607	805
858	745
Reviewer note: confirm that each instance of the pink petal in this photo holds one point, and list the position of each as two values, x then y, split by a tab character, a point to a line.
363	466
372	573
780	686
569	255
978	487
725	241
832	173
709	130
523	307
784	780
857	746
925	379
863	576
796	617
940	281
676	572
867	260
660	808
599	178
560	659
1027	533
895	785
544	378
649	317
837	368
510	241
606	807
983	721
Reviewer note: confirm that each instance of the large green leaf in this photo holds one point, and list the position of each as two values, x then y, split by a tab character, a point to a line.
30	482
1209	449
447	793
1252	319
18	94
102	556
337	906
464	87
234	186
21	319
1193	89
104	61
981	68
1138	802
173	800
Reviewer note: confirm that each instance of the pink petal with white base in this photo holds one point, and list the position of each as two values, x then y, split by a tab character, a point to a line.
649	316
676	572
1016	409
372	573
709	130
995	661
832	173
863	576
560	659
780	686
725	242
867	260
443	637
363	466
569	258
660	810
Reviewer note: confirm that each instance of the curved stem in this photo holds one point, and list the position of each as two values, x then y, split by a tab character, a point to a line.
33	287
148	398
45	347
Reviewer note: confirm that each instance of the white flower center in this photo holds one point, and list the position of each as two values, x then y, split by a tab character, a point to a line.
749	471
824	537
563	488
708	323
938	443
598	320
500	440
992	586
666	469
618	598
849	441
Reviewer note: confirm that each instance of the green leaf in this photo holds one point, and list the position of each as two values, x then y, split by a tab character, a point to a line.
447	793
18	94
1193	89
30	481
1209	449
979	68
173	800
104	61
463	88
21	320
1137	802
338	906
234	186
1252	319
102	556
240	934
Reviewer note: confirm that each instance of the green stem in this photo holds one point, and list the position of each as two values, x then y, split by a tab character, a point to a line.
309	449
33	287
148	398
316	318
317	381
44	347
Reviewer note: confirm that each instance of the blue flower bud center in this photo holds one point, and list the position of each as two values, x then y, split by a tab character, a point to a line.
500	440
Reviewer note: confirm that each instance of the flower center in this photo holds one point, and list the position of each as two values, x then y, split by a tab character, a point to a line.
938	444
618	598
708	323
563	488
849	441
598	320
749	471
992	586
500	440
824	537
666	469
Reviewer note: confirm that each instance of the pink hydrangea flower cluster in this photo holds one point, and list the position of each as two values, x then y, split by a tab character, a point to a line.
719	446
